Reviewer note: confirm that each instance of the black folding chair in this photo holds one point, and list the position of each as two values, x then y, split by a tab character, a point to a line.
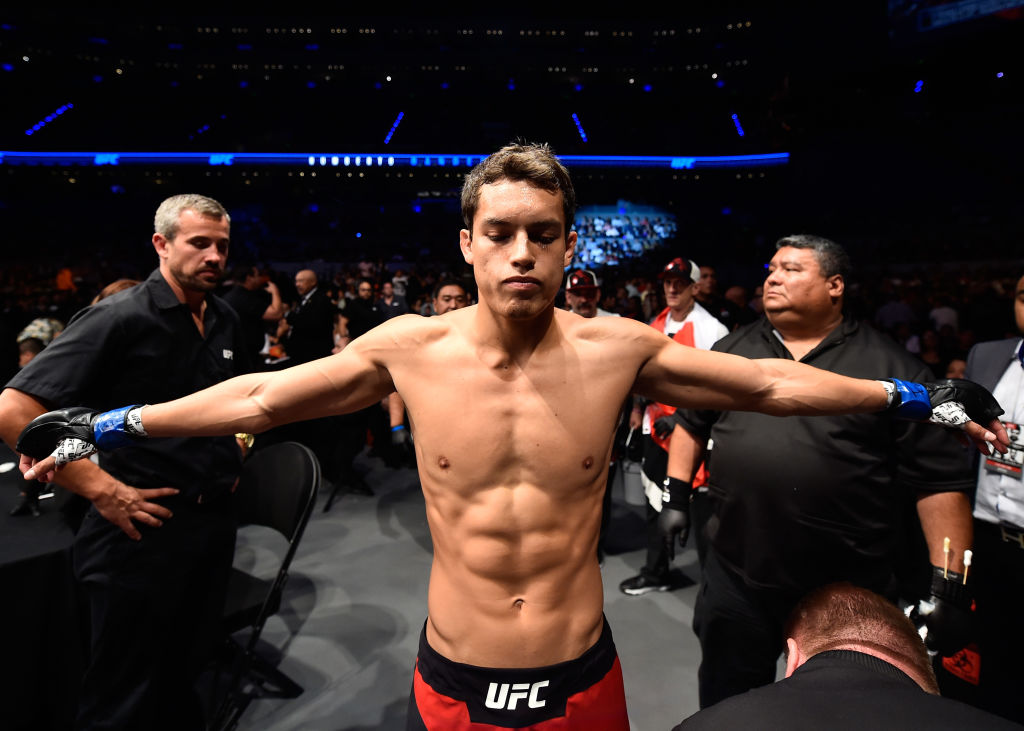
277	489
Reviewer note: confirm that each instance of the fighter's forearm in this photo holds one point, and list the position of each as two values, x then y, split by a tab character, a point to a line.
725	382
256	402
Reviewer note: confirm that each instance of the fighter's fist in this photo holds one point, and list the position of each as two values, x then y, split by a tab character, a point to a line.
950	402
76	432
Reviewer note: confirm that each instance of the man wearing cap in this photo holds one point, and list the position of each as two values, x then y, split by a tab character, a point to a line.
686	322
582	293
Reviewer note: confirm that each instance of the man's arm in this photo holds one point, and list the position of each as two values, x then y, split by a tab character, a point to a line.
115	501
685	453
946	515
689	377
275	310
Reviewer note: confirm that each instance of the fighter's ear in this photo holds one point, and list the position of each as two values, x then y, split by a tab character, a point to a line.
570	248
466	244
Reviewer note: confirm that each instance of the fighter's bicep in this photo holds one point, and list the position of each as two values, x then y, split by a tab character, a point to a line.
683	376
338	384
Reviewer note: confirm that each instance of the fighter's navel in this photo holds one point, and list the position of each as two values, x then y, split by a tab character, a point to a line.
443	462
588	463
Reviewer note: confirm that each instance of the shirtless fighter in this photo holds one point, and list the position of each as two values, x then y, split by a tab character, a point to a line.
515	634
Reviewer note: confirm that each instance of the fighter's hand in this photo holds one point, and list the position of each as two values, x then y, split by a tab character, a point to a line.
956	403
674	518
65	435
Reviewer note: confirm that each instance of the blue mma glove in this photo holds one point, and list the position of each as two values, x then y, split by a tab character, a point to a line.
77	432
949	402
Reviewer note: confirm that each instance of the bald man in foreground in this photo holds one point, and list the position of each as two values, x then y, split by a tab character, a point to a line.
513	485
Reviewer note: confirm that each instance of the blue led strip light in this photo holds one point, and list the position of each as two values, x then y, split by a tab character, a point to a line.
579	127
48	118
398	121
333	159
736	122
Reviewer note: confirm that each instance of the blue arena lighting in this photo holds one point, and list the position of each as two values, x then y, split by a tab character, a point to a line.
647	87
48	118
578	87
394	126
8	67
579	127
736	123
918	86
244	47
999	74
238	159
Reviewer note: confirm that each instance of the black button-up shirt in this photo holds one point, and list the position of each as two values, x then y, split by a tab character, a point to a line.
141	346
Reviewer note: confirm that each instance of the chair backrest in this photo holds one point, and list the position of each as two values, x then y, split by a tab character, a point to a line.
278	488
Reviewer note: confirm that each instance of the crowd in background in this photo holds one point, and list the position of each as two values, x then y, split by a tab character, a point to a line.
937	314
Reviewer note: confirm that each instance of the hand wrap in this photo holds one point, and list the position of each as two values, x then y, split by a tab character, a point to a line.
77	432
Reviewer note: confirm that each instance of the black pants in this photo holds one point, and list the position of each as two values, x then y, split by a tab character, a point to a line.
740	632
999	591
655	466
154	615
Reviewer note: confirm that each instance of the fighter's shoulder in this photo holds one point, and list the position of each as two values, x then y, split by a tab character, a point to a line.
409	331
580	326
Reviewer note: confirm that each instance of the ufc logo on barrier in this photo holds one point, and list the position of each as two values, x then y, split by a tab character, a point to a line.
498	693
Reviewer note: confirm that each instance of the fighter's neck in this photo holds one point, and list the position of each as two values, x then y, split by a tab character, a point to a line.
516	338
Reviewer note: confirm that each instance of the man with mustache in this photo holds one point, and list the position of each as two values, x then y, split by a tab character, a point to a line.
153	586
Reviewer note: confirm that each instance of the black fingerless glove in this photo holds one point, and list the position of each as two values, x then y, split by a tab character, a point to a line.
950	622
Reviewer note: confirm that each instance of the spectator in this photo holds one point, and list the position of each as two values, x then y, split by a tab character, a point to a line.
686	322
853	661
390	303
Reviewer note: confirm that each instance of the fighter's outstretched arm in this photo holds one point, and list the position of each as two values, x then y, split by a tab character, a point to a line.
340	383
688	377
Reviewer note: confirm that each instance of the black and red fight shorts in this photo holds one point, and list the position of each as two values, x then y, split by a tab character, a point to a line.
585	693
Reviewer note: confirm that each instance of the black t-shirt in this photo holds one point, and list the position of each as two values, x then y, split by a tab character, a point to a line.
141	346
809	499
250	304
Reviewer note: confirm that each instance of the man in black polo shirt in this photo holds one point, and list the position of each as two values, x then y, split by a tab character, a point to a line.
153	553
803	501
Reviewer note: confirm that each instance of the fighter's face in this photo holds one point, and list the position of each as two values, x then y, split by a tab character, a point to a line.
583	300
194	259
518	248
450	297
796	285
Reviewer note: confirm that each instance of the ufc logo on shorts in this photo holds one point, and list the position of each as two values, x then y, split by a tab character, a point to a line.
229	354
499	697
